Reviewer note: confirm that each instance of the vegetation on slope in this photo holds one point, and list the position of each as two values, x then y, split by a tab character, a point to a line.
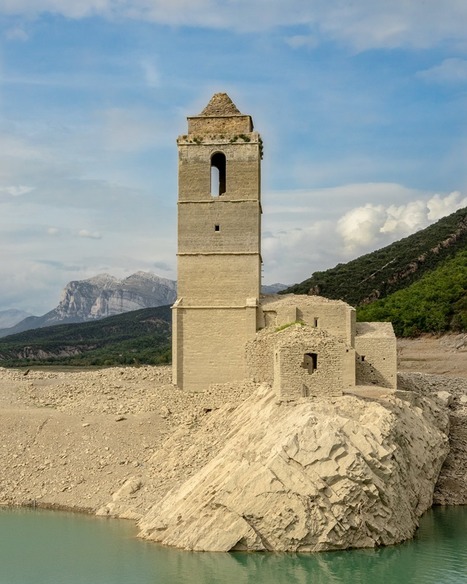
142	336
378	274
419	283
435	304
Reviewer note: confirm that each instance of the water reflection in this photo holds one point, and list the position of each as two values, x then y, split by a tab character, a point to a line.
46	548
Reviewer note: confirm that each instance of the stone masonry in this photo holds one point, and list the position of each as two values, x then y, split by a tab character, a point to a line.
313	346
223	331
219	256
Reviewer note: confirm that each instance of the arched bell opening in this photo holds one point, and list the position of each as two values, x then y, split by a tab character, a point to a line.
218	174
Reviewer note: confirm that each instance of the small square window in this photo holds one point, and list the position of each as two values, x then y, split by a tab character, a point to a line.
217	227
310	362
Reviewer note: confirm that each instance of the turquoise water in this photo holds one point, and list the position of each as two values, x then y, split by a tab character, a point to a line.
44	547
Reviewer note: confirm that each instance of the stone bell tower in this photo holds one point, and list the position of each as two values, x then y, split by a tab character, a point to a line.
219	246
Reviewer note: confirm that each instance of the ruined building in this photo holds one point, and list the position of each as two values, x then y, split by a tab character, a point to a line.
223	330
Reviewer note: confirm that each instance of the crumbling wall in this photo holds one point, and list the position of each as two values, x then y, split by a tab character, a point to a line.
347	353
376	354
334	316
259	354
284	358
308	363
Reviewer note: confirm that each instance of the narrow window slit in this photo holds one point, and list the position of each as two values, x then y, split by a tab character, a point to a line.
218	174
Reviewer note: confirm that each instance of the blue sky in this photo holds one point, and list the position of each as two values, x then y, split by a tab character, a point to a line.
361	106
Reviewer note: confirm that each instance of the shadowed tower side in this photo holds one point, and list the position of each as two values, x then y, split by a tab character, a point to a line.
219	246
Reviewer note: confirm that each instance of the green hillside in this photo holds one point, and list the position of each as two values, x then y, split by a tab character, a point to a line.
397	266
436	303
419	283
141	336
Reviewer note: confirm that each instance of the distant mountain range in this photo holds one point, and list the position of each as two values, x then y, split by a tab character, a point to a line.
9	318
100	297
272	288
419	283
140	336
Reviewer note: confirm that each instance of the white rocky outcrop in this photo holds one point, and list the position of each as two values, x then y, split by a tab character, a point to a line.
104	295
230	467
304	476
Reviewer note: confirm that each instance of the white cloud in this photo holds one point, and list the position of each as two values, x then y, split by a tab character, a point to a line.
366	24
404	219
303	240
441	206
301	40
68	8
370	225
449	71
53	231
16	34
363	24
151	73
89	234
16	190
359	228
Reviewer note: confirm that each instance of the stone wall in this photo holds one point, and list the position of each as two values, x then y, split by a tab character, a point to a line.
376	358
218	280
242	167
211	345
220	116
236	124
219	225
308	363
334	316
283	358
348	353
260	356
219	246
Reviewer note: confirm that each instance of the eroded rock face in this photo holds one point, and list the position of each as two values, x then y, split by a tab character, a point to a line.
451	488
312	475
104	295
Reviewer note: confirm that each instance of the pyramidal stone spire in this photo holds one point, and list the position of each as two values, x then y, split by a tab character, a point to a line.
219	246
220	105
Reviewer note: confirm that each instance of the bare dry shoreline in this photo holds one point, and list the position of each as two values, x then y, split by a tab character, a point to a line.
442	355
70	439
77	439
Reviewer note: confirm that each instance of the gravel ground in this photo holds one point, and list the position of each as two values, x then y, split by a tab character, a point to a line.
72	439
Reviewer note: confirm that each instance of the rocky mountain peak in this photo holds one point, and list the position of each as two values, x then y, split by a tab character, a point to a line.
100	296
104	295
102	280
12	316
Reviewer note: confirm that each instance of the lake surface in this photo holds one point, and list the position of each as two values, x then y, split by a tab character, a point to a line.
46	547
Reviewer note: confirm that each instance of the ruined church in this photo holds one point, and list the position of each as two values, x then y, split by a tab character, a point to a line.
224	330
